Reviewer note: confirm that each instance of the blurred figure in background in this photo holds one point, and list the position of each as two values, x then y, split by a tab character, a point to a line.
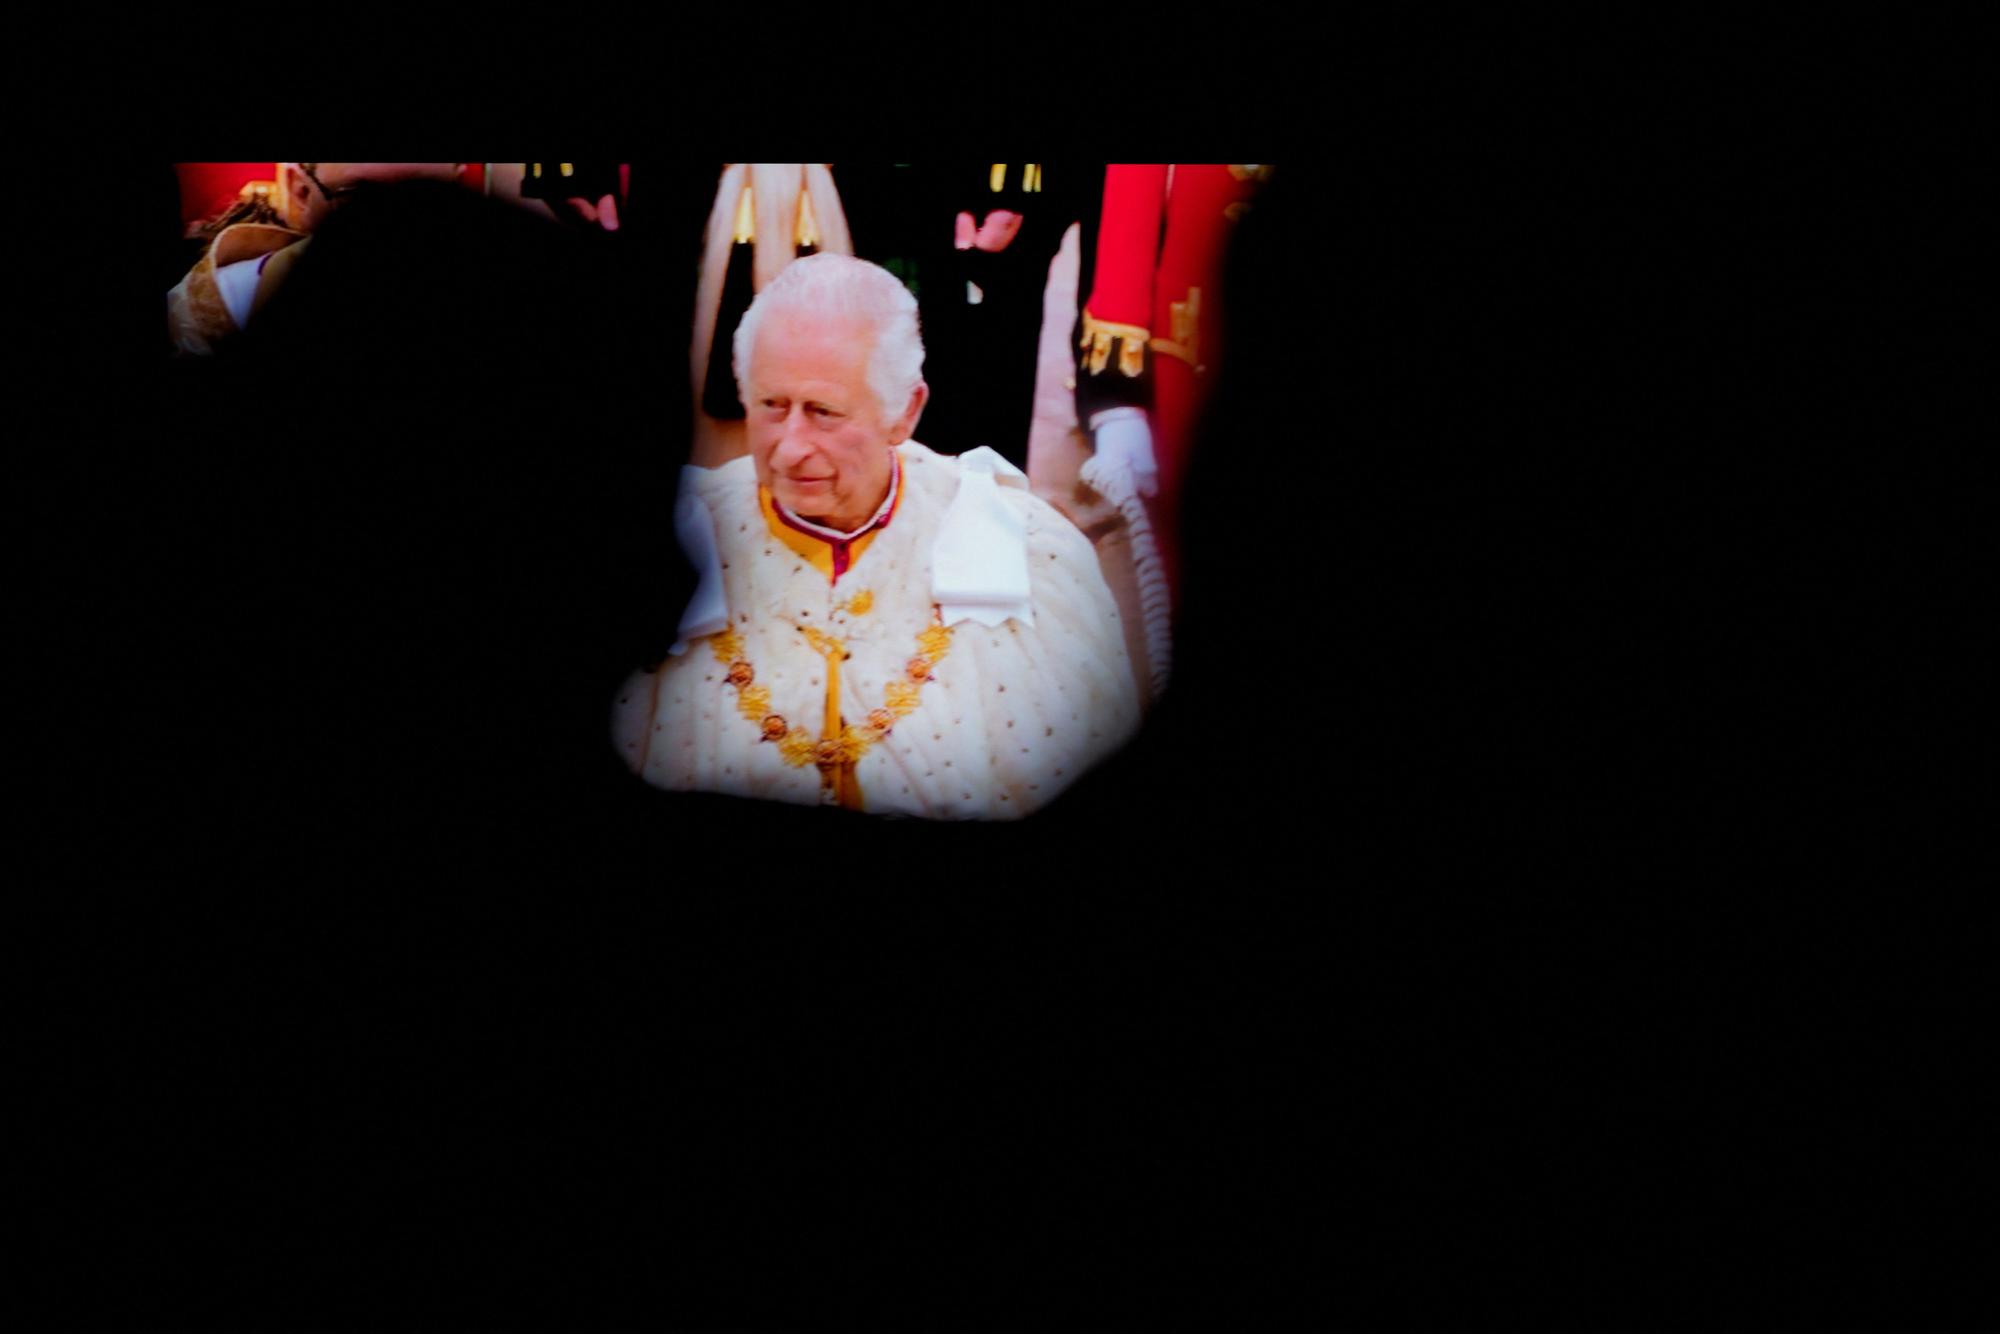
973	242
386	591
252	245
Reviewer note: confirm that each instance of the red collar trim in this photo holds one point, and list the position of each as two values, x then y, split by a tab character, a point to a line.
835	538
841	545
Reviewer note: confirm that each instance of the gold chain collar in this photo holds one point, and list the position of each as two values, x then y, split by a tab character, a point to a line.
796	746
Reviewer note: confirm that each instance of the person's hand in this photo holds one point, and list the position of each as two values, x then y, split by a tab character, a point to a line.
992	236
1124	437
1000	227
604	213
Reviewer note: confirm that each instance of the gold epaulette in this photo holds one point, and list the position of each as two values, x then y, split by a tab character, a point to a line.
1095	345
1031	177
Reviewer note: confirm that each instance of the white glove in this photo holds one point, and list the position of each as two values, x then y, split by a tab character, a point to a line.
1125	439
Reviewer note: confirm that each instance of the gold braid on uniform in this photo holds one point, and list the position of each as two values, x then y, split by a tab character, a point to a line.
1096	345
796	746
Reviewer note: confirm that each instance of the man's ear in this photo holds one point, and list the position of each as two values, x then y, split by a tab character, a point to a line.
906	425
295	196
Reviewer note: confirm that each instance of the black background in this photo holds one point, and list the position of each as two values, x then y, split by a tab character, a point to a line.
1508	903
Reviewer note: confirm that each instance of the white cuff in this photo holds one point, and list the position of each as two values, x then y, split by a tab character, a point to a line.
1127	442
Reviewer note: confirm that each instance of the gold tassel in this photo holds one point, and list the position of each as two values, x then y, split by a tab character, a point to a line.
746	217
837	778
831	731
808	229
997	178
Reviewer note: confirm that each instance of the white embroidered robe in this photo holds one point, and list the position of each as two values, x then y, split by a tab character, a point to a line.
1012	715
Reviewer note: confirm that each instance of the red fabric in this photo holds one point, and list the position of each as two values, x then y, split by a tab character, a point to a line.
1154	244
1192	254
1192	251
207	188
1128	242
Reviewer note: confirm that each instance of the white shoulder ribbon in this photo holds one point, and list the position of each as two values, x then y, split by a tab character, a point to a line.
694	524
238	284
979	565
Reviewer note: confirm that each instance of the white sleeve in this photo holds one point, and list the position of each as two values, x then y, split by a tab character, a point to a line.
1057	698
694	525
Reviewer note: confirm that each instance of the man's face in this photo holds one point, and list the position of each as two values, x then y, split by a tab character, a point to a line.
819	439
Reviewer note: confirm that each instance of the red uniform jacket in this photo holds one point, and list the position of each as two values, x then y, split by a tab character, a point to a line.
1152	321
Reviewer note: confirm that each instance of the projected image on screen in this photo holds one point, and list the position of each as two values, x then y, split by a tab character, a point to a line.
940	416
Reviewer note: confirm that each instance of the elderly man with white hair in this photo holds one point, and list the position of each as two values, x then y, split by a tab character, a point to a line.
876	626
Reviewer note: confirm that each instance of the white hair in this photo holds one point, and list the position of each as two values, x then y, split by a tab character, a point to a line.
829	284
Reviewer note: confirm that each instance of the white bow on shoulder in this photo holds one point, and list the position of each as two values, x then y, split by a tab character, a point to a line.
979	564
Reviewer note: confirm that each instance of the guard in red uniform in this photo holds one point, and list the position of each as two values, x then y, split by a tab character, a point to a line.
1147	342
